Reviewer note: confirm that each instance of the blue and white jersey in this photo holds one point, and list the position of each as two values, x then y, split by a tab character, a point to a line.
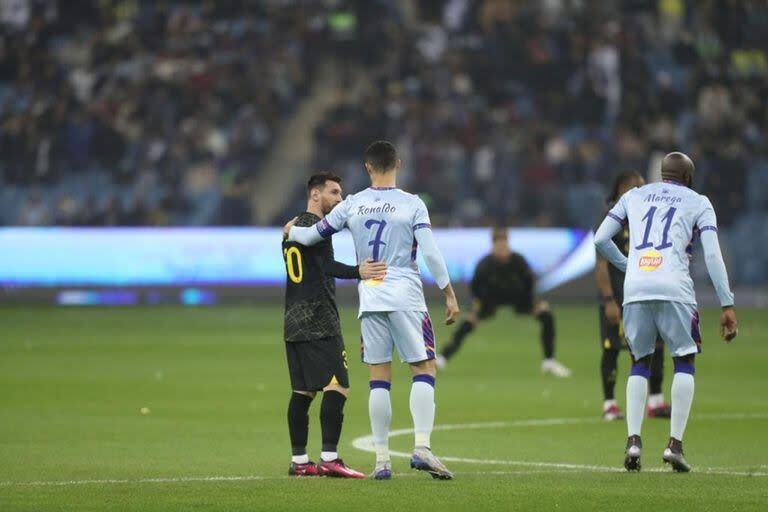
382	222
663	220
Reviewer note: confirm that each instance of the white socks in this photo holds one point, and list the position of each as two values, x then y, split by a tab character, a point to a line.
422	404
329	456
656	400
682	398
637	391
423	408
380	412
300	459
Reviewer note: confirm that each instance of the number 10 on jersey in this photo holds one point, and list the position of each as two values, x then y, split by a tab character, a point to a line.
293	264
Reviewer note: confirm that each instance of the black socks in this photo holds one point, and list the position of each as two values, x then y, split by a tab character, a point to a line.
657	371
331	419
298	422
547	322
608	365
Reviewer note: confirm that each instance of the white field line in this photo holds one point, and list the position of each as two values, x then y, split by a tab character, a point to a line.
365	443
244	478
114	481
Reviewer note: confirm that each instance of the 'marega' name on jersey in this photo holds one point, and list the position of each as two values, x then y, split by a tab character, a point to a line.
663	220
382	222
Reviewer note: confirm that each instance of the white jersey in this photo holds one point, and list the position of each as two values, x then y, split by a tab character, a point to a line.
382	222
663	220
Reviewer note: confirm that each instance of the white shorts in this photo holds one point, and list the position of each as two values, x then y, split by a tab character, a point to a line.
409	331
676	323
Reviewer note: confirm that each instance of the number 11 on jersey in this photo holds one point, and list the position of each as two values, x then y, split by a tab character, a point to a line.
648	219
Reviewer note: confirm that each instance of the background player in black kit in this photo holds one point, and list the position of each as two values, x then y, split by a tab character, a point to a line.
503	278
610	281
315	349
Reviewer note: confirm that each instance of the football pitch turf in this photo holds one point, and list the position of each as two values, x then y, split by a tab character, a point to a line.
73	383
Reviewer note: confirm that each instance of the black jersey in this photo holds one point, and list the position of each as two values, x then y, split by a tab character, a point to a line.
310	289
503	282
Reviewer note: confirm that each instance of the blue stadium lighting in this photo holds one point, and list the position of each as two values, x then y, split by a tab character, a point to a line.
197	297
199	258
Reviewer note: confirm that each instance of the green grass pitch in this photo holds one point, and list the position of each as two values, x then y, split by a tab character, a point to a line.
72	436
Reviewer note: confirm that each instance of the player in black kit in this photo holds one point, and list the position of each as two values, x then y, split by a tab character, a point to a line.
610	281
503	278
317	360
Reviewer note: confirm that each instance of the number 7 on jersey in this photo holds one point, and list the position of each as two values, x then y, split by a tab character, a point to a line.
376	242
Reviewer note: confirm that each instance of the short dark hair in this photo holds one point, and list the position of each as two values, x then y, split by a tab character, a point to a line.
318	180
620	180
381	155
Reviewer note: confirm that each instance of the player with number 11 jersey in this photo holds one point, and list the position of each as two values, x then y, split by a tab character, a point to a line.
659	299
669	216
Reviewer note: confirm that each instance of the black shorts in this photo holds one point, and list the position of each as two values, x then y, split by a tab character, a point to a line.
484	309
315	364
611	336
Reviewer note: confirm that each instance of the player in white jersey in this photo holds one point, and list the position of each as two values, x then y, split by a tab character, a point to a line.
390	225
659	299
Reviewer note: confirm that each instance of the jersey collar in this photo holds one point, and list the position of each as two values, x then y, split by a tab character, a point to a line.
382	188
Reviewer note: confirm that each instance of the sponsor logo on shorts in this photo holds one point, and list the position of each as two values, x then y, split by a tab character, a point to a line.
650	261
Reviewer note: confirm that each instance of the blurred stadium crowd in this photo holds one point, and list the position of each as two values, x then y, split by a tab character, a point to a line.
131	112
524	114
126	112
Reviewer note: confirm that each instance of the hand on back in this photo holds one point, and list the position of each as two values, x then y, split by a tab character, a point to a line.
370	269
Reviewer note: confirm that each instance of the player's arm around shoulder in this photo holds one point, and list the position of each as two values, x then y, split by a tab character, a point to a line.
302	220
325	228
299	258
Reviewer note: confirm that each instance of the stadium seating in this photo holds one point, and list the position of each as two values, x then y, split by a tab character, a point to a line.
506	112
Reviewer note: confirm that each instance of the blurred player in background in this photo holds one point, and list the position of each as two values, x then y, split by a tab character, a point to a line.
390	225
659	298
317	360
503	278
610	281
